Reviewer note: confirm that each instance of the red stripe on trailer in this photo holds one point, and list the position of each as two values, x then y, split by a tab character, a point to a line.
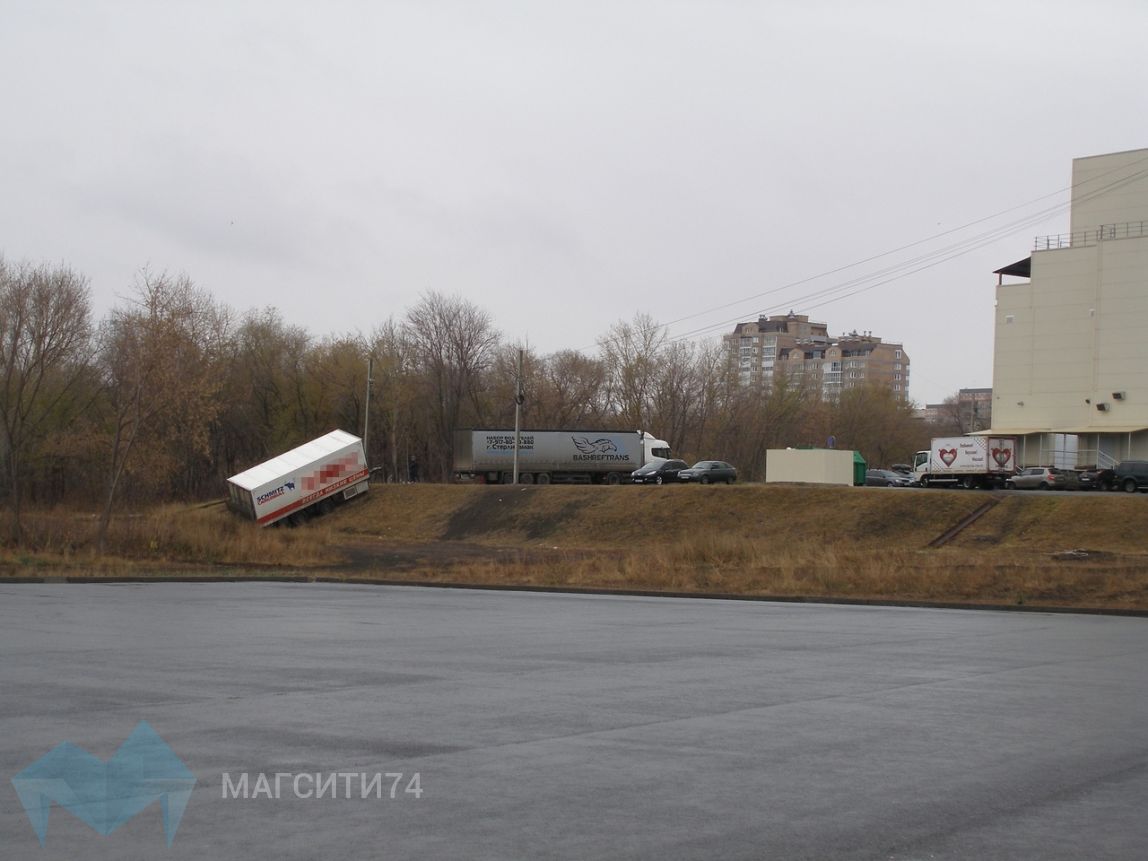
311	497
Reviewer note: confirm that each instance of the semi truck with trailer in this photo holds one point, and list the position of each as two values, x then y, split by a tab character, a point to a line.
966	461
559	456
304	481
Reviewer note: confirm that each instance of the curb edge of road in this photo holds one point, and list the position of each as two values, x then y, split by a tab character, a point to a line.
574	590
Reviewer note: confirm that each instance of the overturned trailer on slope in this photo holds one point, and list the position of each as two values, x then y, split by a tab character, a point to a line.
308	480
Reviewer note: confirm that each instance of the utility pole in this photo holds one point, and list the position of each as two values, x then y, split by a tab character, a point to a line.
367	408
518	399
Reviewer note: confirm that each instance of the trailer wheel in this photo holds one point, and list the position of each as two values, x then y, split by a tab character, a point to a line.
526	478
968	482
508	478
613	478
543	478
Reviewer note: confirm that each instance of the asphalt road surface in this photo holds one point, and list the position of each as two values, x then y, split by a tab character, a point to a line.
564	727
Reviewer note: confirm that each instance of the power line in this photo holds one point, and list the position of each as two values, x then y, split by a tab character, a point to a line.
927	260
912	265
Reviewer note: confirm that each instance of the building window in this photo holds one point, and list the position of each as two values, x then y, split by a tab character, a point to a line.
896	354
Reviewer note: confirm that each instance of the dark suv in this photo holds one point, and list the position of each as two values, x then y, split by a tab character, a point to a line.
1130	475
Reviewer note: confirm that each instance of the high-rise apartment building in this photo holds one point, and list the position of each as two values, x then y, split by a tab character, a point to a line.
793	345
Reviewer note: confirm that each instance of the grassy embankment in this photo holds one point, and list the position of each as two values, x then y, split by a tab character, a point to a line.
869	543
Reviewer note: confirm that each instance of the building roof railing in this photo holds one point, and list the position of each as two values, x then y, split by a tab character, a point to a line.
1092	236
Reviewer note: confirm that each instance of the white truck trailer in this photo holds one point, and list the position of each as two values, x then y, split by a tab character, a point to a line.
966	461
545	456
307	480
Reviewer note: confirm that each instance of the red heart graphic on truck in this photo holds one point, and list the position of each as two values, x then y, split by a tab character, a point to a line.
948	455
1002	455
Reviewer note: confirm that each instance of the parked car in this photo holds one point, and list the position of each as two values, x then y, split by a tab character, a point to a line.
886	478
1043	478
658	472
1130	475
1095	479
709	472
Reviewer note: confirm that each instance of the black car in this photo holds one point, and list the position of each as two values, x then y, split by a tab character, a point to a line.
709	472
886	478
1095	479
1130	475
658	472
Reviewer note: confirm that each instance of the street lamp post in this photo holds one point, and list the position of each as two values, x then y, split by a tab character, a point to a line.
518	399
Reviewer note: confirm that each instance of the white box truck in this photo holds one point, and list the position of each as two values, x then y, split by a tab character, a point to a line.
545	456
307	480
966	461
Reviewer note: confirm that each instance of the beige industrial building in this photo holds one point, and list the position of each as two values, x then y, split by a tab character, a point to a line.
1070	357
790	344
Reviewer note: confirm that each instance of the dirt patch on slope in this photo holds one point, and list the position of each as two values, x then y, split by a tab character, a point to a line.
494	511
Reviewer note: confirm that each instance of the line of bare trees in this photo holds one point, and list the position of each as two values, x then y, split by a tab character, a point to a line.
172	392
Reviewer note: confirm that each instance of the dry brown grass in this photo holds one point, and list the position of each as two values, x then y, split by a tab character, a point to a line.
1113	522
867	543
623	517
813	542
181	535
813	570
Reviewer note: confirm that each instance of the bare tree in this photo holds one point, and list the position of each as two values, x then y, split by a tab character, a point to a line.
568	391
395	395
874	421
159	361
454	343
958	416
45	350
630	353
712	386
263	400
337	372
677	393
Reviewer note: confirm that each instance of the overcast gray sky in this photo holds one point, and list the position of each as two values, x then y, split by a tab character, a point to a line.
564	165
